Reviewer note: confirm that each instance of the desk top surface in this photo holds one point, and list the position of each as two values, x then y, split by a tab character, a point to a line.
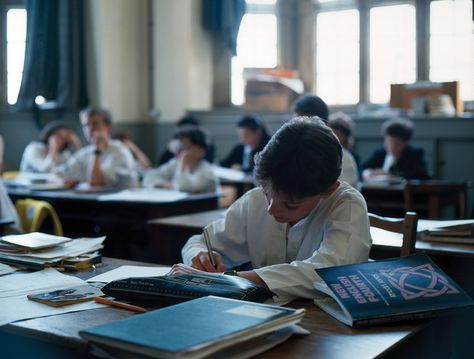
328	338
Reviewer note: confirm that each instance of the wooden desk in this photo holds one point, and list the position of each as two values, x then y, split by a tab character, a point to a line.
390	199
124	223
57	336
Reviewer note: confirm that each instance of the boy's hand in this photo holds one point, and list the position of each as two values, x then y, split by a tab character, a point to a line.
202	262
192	156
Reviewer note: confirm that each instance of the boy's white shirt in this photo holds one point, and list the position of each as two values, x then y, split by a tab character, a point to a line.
116	162
201	179
335	232
36	158
349	171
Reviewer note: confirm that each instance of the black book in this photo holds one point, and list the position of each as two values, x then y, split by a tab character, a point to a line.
168	290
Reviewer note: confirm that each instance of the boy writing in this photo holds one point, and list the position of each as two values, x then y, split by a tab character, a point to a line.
300	218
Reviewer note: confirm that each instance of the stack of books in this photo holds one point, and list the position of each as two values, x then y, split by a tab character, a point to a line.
460	231
40	250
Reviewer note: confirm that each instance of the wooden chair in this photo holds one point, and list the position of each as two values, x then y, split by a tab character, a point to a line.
406	226
436	195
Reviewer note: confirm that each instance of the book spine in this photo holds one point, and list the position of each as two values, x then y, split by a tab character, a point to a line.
394	318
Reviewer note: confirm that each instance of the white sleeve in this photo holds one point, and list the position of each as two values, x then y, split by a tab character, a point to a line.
227	237
34	159
349	171
346	240
76	166
200	180
120	170
156	176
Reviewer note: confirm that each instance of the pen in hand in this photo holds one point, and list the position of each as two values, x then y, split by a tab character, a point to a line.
113	303
207	239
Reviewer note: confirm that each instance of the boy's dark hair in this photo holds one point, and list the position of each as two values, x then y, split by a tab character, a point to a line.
49	129
400	128
303	158
310	105
194	134
342	123
251	122
188	121
91	111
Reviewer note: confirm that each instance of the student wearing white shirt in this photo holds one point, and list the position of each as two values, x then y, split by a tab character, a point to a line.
105	162
300	218
188	171
56	145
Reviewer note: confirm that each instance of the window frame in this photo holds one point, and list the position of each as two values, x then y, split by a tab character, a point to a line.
5	6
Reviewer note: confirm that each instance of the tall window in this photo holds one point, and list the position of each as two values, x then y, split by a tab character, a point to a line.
452	44
337	50
16	36
256	44
392	49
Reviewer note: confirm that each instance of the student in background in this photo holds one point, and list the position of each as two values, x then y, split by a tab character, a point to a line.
298	219
56	145
343	127
183	123
398	157
188	171
8	211
105	162
142	162
309	105
2	153
253	137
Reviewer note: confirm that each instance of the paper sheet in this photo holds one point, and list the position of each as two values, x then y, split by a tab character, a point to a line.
5	269
15	306
128	272
425	224
145	195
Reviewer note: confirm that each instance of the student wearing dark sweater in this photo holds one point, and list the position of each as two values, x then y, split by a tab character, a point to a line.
253	137
397	157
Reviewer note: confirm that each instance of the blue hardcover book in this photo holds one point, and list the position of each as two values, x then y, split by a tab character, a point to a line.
395	289
193	329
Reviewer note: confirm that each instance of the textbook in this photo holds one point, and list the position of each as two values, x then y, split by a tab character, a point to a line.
463	233
167	290
194	329
390	290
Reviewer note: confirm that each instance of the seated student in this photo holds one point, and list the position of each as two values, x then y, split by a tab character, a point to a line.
188	171
142	162
105	162
300	218
186	122
55	146
2	148
397	157
343	127
253	137
310	105
8	211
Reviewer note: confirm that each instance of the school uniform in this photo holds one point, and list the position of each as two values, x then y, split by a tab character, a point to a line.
244	155
335	232
116	163
349	173
200	180
36	159
410	165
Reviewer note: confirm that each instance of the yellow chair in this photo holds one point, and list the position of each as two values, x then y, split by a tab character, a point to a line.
32	214
10	174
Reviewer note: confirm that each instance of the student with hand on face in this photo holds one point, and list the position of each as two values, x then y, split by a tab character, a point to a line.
105	162
188	170
398	157
298	219
253	137
55	146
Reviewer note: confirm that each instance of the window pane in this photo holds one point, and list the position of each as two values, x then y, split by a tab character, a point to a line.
392	49
452	44
256	47
337	57
16	35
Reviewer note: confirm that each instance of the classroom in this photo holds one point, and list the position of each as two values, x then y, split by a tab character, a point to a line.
260	139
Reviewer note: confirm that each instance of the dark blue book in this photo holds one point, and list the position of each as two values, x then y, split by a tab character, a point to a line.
390	290
193	329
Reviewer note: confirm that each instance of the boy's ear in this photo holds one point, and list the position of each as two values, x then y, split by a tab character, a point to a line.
332	188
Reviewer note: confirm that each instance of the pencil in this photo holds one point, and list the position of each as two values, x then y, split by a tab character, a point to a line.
113	303
209	246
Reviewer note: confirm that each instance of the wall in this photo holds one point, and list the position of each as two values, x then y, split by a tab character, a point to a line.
182	59
118	57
